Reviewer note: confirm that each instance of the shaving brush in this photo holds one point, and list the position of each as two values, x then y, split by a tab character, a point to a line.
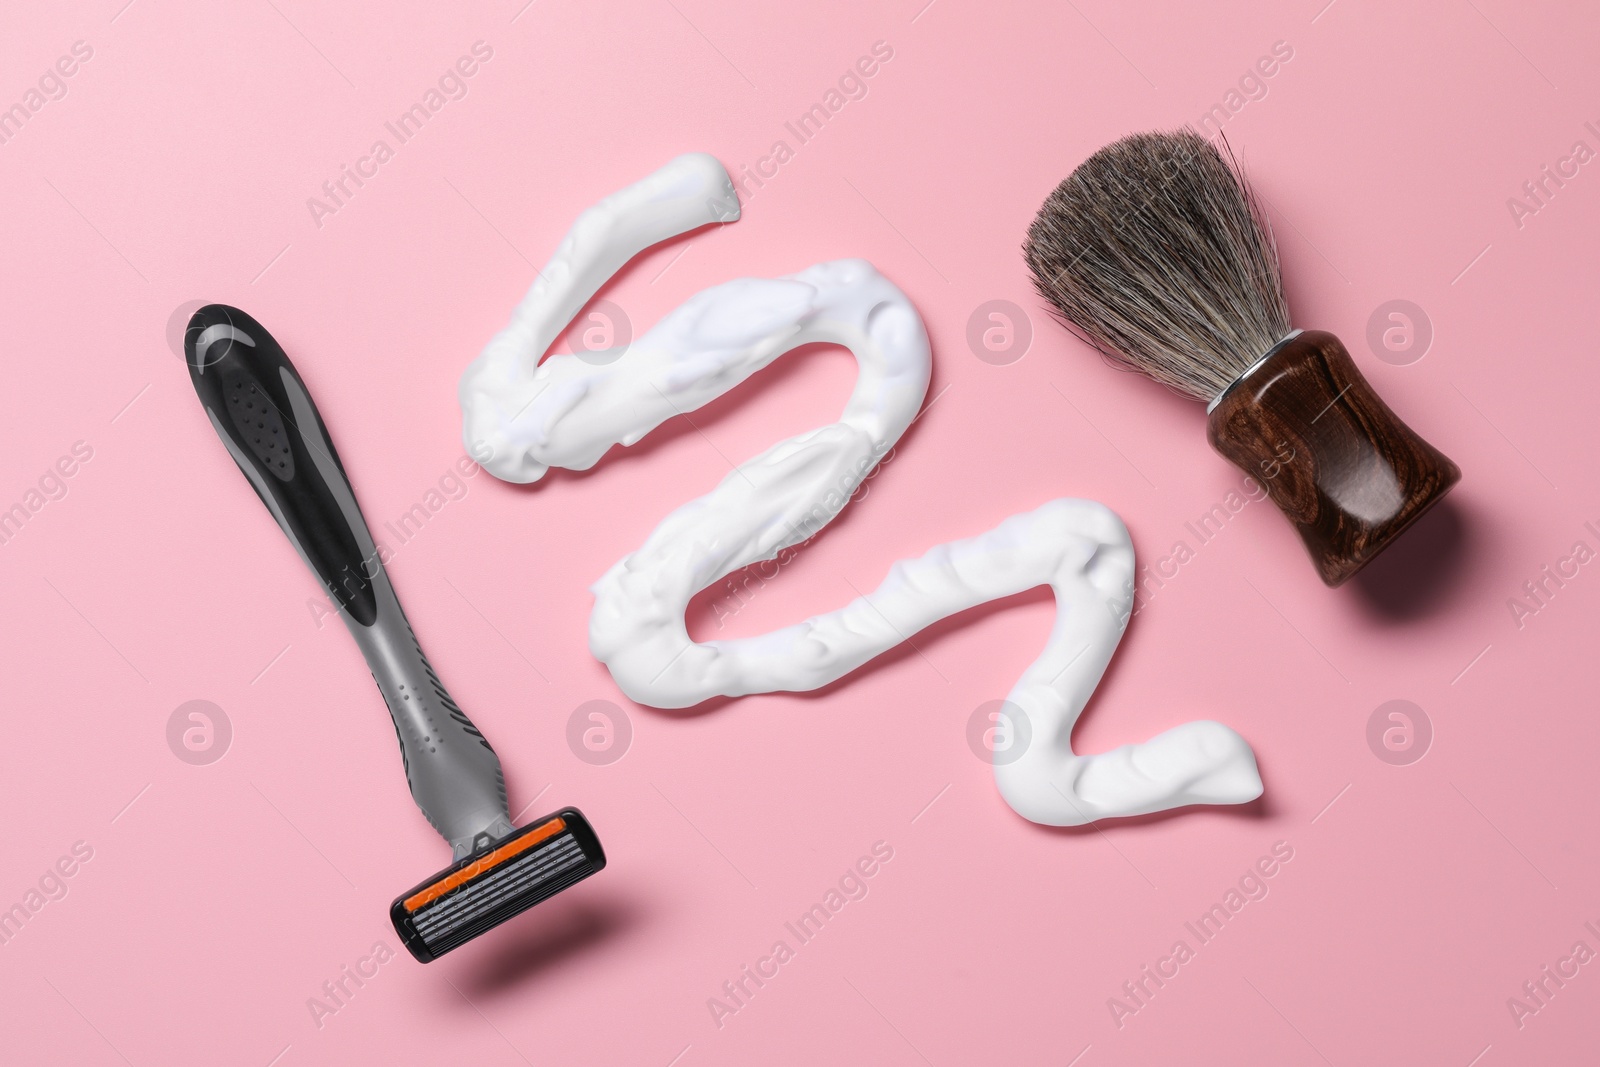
1155	251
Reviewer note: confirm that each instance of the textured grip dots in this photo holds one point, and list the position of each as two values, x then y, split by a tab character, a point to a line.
259	423
432	737
413	719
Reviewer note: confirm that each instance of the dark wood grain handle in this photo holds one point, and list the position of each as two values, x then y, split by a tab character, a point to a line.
1349	474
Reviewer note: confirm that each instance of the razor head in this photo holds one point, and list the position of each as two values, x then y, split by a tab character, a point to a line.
501	880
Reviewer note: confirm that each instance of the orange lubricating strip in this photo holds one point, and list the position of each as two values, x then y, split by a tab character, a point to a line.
493	859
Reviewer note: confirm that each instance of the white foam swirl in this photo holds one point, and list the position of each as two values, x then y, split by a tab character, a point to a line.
526	417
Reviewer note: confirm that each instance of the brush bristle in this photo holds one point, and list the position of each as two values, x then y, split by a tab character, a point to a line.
1156	251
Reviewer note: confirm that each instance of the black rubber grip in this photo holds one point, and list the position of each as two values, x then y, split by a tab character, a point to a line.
265	415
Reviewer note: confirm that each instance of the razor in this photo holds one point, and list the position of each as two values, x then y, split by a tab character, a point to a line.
265	416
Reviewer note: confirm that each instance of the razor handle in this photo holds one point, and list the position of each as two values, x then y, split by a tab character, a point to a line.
1336	460
266	418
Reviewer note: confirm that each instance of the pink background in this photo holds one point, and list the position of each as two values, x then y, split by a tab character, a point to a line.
177	167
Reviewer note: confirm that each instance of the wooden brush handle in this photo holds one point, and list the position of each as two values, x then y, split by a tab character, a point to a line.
1349	474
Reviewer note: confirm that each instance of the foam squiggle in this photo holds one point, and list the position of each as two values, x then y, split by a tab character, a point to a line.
527	417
